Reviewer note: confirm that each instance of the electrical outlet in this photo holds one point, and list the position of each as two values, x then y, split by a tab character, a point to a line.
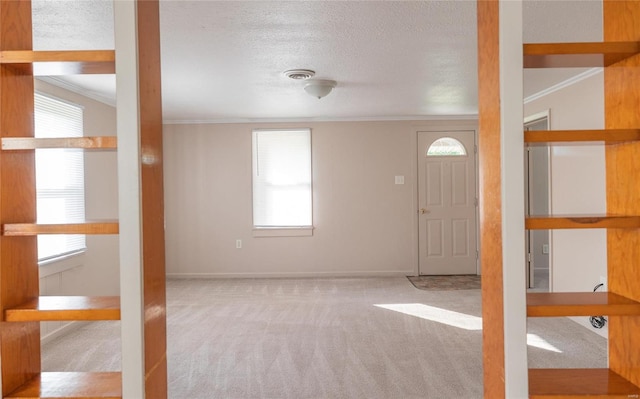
238	244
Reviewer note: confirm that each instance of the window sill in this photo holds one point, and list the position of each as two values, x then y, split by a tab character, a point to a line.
283	231
61	263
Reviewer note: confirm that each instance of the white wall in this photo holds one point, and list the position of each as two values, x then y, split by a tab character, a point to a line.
578	257
364	223
95	272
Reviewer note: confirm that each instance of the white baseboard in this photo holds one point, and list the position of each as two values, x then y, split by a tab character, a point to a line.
292	275
59	332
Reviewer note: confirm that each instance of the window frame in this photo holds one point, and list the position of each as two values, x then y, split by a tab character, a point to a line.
80	248
280	230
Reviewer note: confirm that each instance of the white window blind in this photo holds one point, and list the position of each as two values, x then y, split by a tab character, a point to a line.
59	176
282	178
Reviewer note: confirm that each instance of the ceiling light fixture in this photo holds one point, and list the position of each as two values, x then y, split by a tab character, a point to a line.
299	74
319	87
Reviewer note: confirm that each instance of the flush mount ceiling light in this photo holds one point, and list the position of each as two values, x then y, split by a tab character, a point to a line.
299	74
319	87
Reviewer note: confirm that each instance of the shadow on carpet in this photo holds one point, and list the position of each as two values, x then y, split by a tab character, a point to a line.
446	283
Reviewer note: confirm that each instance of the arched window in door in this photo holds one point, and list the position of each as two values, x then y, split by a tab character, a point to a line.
446	147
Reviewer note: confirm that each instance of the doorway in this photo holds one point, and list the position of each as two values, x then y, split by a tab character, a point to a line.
537	195
447	203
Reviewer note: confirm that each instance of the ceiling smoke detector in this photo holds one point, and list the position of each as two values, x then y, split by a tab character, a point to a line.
299	74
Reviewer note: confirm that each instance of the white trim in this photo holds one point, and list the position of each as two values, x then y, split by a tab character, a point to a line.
282	231
62	331
290	274
55	81
61	264
565	83
309	120
540	115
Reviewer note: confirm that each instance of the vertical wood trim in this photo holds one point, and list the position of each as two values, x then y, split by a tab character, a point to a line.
490	199
154	275
20	342
622	110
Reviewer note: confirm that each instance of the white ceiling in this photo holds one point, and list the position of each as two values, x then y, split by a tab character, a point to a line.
223	60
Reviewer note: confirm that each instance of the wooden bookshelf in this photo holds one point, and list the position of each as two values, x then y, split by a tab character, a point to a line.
50	63
581	136
556	304
87	143
579	383
66	308
71	385
582	222
30	229
578	55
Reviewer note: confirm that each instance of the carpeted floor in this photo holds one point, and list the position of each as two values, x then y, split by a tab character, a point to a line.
374	338
446	283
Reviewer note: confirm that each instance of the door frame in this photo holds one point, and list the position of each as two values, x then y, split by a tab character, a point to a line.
416	228
546	114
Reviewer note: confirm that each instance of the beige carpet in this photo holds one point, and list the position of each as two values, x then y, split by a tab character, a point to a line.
373	338
446	283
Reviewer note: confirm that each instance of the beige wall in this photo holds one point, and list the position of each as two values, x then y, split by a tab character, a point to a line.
578	257
364	223
96	272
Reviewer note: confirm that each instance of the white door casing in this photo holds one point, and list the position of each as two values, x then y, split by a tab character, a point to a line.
447	205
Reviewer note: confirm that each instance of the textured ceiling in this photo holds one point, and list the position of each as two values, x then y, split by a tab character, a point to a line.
223	61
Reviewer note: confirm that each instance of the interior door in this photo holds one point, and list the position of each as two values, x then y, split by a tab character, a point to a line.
447	203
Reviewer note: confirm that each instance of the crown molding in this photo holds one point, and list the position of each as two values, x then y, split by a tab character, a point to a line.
54	81
564	84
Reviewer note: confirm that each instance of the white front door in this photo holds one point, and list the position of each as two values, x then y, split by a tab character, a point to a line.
447	202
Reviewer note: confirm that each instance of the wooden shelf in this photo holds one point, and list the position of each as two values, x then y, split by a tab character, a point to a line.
581	136
579	383
71	385
580	304
568	55
582	222
30	229
87	143
66	308
50	63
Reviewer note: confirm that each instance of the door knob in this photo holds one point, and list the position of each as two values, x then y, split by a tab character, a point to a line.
423	211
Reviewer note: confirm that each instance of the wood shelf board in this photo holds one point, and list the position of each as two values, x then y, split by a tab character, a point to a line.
581	136
545	304
582	222
577	55
87	143
30	229
66	308
578	383
71	385
51	63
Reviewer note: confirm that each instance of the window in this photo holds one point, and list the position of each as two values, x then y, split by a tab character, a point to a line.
282	178
446	147
59	176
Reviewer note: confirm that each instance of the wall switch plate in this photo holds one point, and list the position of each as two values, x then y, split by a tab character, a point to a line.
399	179
238	244
545	248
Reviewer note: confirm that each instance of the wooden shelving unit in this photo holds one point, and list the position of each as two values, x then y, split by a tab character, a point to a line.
620	54
579	383
31	229
70	385
85	143
21	306
557	304
573	137
66	308
582	222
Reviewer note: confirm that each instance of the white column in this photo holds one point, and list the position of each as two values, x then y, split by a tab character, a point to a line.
129	200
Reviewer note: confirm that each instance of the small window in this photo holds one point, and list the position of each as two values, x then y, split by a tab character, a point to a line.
446	147
282	178
59	176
